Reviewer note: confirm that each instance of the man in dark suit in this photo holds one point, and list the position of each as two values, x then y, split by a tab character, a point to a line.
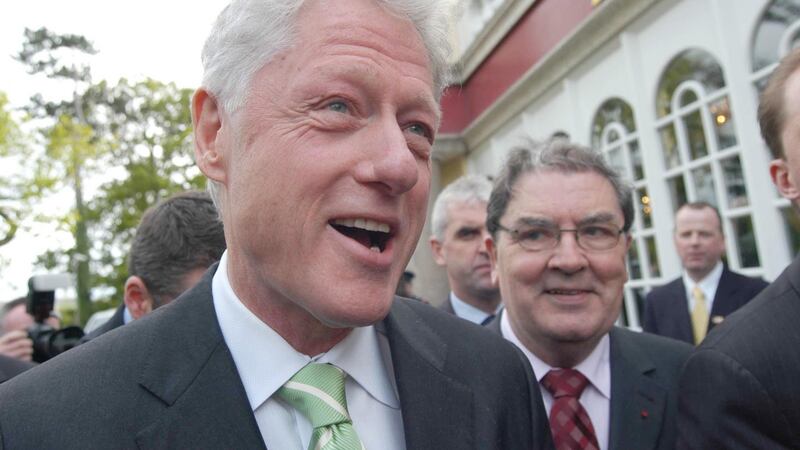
739	389
11	367
315	126
175	243
680	309
458	221
559	218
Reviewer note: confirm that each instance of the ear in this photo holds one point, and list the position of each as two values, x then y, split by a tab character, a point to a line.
438	251
207	120
137	297
492	250
783	179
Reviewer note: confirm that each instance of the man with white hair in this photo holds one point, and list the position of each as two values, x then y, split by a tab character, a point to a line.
315	125
459	231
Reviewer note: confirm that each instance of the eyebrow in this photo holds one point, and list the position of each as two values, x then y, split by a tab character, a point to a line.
592	219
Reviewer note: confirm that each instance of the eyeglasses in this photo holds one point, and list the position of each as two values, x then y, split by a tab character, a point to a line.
590	237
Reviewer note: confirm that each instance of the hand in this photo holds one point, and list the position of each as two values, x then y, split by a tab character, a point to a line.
16	344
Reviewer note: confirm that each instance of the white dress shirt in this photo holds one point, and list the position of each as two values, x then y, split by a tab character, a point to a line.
596	397
708	285
265	361
468	312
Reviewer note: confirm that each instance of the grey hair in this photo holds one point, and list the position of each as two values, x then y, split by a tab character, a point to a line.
467	189
249	33
555	155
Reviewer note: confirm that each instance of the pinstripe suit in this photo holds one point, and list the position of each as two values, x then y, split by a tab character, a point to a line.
740	389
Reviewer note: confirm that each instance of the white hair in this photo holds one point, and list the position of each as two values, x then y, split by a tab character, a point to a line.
469	189
248	33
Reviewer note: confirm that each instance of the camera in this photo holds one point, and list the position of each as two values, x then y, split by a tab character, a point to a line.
48	341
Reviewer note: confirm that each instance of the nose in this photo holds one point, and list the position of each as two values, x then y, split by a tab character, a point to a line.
567	256
387	162
484	236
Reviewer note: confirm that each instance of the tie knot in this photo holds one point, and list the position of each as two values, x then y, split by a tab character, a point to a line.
565	383
698	294
317	391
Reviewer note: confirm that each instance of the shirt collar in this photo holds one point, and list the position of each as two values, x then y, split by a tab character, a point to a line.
466	311
708	284
265	360
596	367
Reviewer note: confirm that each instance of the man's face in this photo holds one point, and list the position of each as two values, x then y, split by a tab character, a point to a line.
564	295
786	172
698	239
326	169
463	250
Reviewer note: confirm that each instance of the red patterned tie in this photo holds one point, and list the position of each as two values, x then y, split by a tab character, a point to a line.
572	429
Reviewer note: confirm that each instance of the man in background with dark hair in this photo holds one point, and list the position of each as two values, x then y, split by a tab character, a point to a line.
176	241
739	389
688	307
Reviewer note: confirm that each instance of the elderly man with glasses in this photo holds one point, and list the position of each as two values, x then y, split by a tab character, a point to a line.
559	218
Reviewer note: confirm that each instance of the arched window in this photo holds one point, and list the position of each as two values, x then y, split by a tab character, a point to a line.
700	150
614	134
777	32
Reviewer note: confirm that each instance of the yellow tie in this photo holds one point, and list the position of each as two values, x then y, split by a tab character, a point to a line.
699	315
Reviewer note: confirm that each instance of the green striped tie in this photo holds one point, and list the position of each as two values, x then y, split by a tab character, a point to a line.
317	391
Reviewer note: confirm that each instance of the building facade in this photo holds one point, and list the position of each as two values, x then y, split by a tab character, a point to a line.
666	89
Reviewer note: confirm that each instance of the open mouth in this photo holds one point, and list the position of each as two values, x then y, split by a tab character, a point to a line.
369	233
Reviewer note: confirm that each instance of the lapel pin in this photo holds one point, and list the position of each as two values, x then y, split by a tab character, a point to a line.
716	320
644	414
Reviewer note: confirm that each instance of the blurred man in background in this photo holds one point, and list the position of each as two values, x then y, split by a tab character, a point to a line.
175	243
14	324
458	221
707	292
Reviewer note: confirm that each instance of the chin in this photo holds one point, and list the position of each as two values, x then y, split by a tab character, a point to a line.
361	314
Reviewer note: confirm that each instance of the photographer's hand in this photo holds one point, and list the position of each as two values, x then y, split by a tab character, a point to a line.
16	344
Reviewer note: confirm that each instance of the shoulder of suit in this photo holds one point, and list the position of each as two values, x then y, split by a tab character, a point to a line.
657	291
742	278
657	346
460	335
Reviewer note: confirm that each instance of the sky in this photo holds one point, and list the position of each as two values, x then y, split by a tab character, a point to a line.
160	39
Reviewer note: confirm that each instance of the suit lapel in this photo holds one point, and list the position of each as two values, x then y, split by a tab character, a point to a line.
191	371
684	319
637	402
437	410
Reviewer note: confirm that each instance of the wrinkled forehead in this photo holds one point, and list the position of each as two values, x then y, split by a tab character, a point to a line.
545	192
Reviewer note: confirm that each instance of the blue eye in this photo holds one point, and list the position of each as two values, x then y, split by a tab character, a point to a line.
418	128
337	106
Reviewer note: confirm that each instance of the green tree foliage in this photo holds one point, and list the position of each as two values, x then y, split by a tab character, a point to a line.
149	126
17	187
70	144
8	137
131	141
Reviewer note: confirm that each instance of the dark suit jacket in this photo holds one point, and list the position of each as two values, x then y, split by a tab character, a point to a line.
667	313
11	367
644	388
168	381
115	321
740	388
447	306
